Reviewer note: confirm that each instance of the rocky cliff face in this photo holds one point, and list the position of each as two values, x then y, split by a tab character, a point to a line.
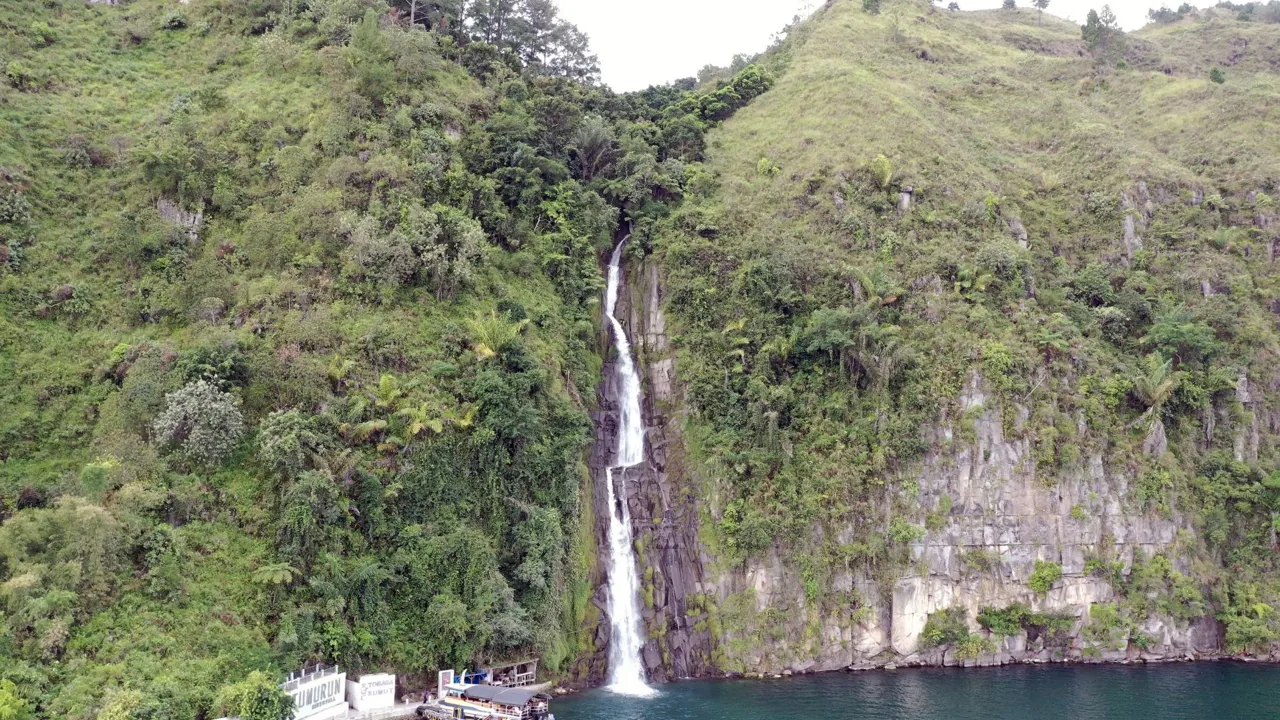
663	505
995	518
993	507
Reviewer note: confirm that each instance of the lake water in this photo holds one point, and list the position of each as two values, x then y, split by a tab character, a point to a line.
1190	691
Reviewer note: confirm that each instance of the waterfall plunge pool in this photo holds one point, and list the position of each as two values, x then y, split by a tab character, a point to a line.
1176	691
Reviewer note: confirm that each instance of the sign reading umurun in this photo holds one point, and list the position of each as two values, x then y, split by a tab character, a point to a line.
318	694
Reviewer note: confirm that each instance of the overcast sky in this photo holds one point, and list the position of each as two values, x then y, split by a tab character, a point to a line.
647	42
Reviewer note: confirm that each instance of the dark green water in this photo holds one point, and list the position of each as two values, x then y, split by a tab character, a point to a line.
1192	691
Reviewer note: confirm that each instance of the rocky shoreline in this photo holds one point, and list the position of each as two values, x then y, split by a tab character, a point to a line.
908	664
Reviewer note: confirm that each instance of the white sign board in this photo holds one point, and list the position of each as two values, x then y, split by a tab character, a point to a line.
372	692
443	680
318	695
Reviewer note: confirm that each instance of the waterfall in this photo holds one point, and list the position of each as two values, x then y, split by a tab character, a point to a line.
626	671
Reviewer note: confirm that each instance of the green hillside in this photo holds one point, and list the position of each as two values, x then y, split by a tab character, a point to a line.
928	197
299	324
297	339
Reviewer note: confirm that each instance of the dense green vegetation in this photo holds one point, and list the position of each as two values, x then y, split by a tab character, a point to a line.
1073	224
298	324
297	338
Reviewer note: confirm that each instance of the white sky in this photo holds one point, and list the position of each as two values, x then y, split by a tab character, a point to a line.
648	42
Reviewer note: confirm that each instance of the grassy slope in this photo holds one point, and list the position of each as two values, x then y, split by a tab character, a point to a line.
114	77
116	93
975	109
989	116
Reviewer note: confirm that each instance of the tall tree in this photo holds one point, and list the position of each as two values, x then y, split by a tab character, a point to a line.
446	17
572	57
541	24
493	21
1100	29
1040	5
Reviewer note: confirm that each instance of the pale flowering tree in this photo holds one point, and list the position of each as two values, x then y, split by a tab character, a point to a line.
200	421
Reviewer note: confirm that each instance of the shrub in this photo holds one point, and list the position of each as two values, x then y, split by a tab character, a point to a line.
937	519
746	527
1004	621
18	75
388	259
12	706
944	627
120	705
174	21
15	209
257	697
1153	491
1050	628
767	167
1180	334
201	421
1104	619
134	33
77	153
905	533
972	647
1185	602
991	204
1044	576
881	170
980	559
1165	15
288	440
871	7
1113	322
220	364
44	34
1216	75
998	361
1251	632
1003	259
1111	570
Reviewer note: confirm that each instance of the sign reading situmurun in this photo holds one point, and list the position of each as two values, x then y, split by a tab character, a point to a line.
318	694
372	692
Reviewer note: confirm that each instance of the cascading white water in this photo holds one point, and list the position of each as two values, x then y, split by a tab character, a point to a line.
626	671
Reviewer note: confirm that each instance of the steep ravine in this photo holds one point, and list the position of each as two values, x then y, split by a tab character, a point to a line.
662	500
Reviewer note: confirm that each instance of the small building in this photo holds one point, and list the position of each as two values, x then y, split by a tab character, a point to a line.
518	674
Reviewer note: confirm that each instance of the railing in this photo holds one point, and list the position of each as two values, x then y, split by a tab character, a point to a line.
405	710
399	711
295	679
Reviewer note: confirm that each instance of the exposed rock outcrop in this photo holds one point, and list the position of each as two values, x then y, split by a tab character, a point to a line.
1018	231
1001	512
662	502
189	220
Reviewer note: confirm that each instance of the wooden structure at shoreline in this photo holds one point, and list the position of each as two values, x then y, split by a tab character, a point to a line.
517	674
